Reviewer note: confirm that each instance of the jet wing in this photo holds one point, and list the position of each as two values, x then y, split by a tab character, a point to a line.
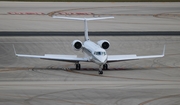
68	58
55	57
116	58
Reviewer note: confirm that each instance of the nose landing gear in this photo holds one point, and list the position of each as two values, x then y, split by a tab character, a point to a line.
100	72
105	67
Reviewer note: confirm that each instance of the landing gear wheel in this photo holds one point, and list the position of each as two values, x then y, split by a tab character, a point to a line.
78	66
105	66
100	72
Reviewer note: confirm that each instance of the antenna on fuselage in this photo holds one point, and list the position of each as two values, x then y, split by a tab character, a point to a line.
85	23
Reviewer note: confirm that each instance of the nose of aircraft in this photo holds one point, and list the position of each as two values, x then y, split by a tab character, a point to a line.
102	60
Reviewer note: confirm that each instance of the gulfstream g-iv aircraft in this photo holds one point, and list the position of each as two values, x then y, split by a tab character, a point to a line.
93	52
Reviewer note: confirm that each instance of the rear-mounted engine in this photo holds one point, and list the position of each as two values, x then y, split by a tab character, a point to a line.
77	45
103	44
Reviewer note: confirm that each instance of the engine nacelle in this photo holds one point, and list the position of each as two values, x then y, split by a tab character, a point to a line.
77	45
103	44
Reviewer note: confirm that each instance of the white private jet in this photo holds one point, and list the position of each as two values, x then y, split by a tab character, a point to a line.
93	52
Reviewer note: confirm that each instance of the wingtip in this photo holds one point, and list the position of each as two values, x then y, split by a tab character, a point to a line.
164	50
54	16
14	50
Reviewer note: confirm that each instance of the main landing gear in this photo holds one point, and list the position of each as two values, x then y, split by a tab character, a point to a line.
101	67
78	66
105	66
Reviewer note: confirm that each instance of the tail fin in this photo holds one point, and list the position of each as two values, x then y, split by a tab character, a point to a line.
85	22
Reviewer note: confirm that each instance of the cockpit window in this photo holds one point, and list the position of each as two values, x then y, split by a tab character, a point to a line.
99	53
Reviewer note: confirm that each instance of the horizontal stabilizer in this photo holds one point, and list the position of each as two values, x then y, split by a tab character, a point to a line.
73	18
85	22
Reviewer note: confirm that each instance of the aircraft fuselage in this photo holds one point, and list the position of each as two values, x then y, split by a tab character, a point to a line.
94	52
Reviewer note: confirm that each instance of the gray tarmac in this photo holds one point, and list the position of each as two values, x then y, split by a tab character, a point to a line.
128	16
27	81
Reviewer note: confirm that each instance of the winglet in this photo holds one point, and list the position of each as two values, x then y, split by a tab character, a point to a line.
14	50
164	50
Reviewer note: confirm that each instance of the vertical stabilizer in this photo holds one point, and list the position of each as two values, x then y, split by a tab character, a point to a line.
86	30
85	23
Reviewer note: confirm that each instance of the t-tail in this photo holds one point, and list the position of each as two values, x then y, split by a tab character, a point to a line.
85	23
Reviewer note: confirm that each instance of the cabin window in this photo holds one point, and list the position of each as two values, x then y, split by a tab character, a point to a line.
99	53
